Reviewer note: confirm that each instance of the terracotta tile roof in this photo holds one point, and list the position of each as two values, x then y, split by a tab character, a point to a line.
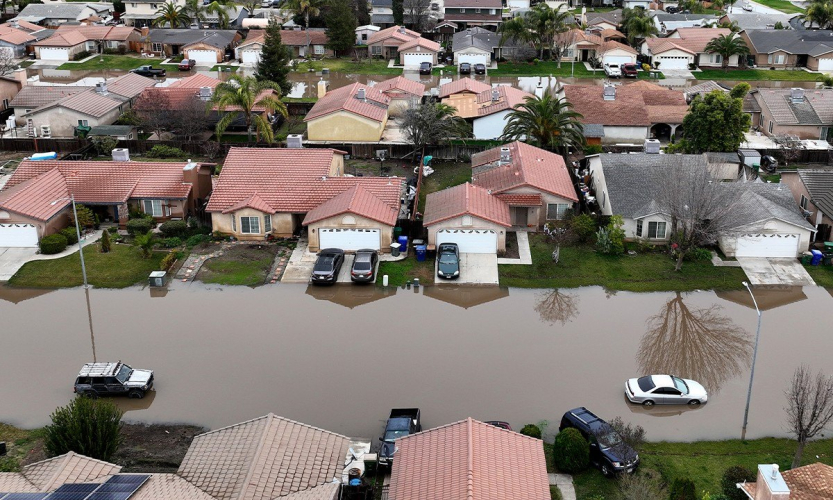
15	482
129	85
298	38
195	82
810	482
33	198
375	106
399	85
176	97
631	107
263	459
65	39
254	201
423	43
35	96
256	36
289	180
324	492
14	36
521	200
696	39
609	45
660	45
469	460
392	36
463	85
26	25
120	33
528	166
169	487
68	468
357	200
465	199
508	98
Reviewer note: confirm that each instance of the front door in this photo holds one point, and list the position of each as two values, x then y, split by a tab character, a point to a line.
519	216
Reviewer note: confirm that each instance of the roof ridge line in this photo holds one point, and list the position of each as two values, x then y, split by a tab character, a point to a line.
67	456
251	466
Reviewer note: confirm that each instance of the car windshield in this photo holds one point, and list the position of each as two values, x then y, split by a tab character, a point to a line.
645	383
448	258
124	373
609	440
391	435
680	385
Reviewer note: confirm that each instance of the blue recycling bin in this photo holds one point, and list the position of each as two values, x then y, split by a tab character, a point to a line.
817	256
421	252
403	243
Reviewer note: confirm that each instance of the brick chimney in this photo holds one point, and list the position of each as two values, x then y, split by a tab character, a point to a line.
145	31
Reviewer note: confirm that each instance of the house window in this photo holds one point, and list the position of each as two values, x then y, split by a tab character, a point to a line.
639	228
775	59
364	36
803	202
318	49
5	104
250	225
154	6
233	223
267	224
770	126
83	123
156	47
477	11
492	11
133	5
153	207
376	50
656	230
716	58
556	211
462	11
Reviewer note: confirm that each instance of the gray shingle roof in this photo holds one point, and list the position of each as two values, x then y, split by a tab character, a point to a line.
809	42
111	130
612	17
594	130
57	10
381	18
722	158
761	201
704	88
477	37
759	20
215	38
815	109
819	183
684	17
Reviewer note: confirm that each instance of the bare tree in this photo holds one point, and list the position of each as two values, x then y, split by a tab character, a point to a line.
7	62
191	118
809	407
556	307
563	41
644	485
416	13
789	147
699	208
154	110
699	344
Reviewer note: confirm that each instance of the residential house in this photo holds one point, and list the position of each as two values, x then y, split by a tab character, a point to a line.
725	166
806	114
469	216
666	23
184	94
355	113
261	459
385	43
118	132
630	112
278	191
69	41
782	49
296	40
610	20
808	482
363	33
480	46
57	111
813	191
249	50
750	105
207	47
142	13
463	88
767	222
236	15
416	51
686	47
444	31
488	111
455	460
381	13
52	15
470	13
402	92
586	45
757	20
16	36
164	190
10	86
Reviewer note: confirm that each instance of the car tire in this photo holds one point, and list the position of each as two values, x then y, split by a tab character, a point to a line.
89	394
605	470
694	402
136	394
647	403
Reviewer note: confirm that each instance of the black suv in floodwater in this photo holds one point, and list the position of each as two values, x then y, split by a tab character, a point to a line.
608	452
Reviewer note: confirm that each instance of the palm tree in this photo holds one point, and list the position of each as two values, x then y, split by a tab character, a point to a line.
517	30
819	13
545	24
171	15
145	243
638	25
220	11
727	46
245	96
306	8
193	8
548	122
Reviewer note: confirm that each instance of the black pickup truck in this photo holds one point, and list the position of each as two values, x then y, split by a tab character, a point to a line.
402	422
608	452
149	71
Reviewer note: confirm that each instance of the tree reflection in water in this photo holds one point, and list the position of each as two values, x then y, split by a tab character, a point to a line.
556	307
699	344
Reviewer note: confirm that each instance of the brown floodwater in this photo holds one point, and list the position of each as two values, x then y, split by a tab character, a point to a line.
341	357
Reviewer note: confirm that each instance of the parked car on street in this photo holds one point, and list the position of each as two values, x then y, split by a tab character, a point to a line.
613	71
327	266
448	261
672	9
747	6
608	452
425	68
187	64
364	266
500	423
401	422
112	379
465	68
149	71
629	70
665	390
479	69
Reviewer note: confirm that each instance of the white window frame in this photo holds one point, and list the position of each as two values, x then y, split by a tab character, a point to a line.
153	205
318	50
655	232
83	123
770	126
252	222
267	223
775	59
376	50
639	228
5	104
156	47
803	202
559	211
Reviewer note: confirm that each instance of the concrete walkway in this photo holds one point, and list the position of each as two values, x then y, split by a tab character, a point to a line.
12	259
565	485
763	271
718	262
523	250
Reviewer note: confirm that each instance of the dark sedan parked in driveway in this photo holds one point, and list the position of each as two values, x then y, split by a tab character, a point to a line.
479	69
327	266
448	261
465	68
364	266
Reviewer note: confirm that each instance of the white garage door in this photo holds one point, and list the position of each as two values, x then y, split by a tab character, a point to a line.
18	235
474	59
350	239
250	57
617	60
470	240
825	64
415	59
672	62
203	56
767	245
50	54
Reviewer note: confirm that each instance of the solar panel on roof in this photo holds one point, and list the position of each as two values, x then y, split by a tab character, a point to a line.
69	495
25	496
117	487
111	495
78	487
128	478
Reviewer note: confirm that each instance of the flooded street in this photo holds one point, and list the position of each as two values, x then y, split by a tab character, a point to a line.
340	358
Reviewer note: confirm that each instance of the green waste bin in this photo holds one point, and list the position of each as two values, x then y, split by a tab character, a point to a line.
397	232
806	258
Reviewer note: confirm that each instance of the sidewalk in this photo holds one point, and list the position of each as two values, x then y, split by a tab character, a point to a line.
565	485
523	249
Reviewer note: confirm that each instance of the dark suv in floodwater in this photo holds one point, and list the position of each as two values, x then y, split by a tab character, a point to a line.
608	452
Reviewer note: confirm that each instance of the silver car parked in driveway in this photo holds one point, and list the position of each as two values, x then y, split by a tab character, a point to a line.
664	390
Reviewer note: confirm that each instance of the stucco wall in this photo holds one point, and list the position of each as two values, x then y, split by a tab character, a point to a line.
629	225
728	241
802	131
537	216
615	134
386	232
477	223
282	224
344	126
704	61
7	91
470	50
797	188
53	225
63	121
600	184
491	126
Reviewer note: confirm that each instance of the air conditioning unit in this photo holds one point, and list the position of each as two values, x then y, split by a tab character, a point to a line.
158	278
652	146
46	131
121	154
295	141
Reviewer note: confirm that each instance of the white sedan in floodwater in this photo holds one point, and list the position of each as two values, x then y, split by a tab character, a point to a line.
664	390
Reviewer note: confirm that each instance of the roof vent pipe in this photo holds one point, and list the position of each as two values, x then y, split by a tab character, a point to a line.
361	94
495	95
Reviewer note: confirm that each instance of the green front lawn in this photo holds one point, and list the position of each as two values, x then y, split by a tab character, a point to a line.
246	265
123	266
822	275
402	271
115	62
756	74
348	66
644	272
227	68
545	68
782	5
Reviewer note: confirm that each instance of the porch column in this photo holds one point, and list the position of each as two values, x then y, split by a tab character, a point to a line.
123	215
673	130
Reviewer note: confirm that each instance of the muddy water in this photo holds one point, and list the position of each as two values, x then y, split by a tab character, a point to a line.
341	357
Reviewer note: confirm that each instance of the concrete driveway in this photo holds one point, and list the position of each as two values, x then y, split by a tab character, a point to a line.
12	259
475	269
770	271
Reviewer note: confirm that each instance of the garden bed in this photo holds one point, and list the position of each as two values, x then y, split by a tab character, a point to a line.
242	264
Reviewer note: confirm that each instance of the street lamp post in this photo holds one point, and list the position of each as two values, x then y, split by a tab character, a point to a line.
754	357
78	234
